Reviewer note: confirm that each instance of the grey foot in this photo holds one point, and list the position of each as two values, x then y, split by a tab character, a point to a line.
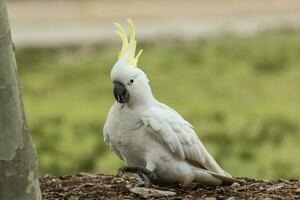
143	173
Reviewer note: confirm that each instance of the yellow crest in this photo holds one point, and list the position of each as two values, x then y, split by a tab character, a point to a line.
131	45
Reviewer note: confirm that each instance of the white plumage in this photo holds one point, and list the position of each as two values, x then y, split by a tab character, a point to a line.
146	133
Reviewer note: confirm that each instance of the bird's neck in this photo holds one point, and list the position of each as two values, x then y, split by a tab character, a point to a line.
144	99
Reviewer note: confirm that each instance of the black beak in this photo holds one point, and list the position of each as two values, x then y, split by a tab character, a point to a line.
120	92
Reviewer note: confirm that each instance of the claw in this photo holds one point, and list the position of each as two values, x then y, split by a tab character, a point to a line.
145	174
147	180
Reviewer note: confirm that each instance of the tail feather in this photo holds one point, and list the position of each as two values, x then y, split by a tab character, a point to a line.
218	172
207	177
226	179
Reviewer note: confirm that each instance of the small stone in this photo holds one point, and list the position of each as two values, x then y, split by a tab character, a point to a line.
297	190
235	184
151	192
231	198
261	188
210	198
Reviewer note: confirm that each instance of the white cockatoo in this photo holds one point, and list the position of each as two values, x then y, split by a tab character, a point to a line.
152	138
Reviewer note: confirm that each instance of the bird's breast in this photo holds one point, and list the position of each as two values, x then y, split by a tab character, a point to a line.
132	144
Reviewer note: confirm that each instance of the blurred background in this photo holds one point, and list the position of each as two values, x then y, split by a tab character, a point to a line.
230	68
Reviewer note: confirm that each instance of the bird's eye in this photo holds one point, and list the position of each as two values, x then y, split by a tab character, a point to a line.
130	81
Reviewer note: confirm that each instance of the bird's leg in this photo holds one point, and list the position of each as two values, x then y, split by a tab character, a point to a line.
146	179
137	170
145	174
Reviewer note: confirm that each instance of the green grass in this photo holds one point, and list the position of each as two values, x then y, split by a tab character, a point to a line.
241	94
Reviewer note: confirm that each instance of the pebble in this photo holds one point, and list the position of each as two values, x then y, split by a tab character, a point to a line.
231	198
151	192
235	184
261	188
210	198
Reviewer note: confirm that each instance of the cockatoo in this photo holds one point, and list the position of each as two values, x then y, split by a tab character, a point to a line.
152	138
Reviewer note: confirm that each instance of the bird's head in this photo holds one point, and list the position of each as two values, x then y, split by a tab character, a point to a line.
130	83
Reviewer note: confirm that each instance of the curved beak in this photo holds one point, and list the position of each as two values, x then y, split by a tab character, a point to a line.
120	92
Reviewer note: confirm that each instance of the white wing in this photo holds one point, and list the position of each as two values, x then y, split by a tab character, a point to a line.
170	129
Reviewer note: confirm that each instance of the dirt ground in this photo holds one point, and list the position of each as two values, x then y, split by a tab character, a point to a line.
92	187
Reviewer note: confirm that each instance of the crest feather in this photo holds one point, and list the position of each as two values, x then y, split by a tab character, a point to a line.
128	46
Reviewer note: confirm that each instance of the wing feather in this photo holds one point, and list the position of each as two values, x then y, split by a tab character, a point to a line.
167	127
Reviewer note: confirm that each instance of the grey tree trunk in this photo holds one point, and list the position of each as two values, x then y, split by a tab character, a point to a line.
18	158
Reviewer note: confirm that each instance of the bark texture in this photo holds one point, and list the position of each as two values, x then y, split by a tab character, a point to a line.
18	158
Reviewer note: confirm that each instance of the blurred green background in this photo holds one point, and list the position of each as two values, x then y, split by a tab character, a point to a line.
240	93
231	69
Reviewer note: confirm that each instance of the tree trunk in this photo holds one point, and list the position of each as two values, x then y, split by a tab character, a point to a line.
18	158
